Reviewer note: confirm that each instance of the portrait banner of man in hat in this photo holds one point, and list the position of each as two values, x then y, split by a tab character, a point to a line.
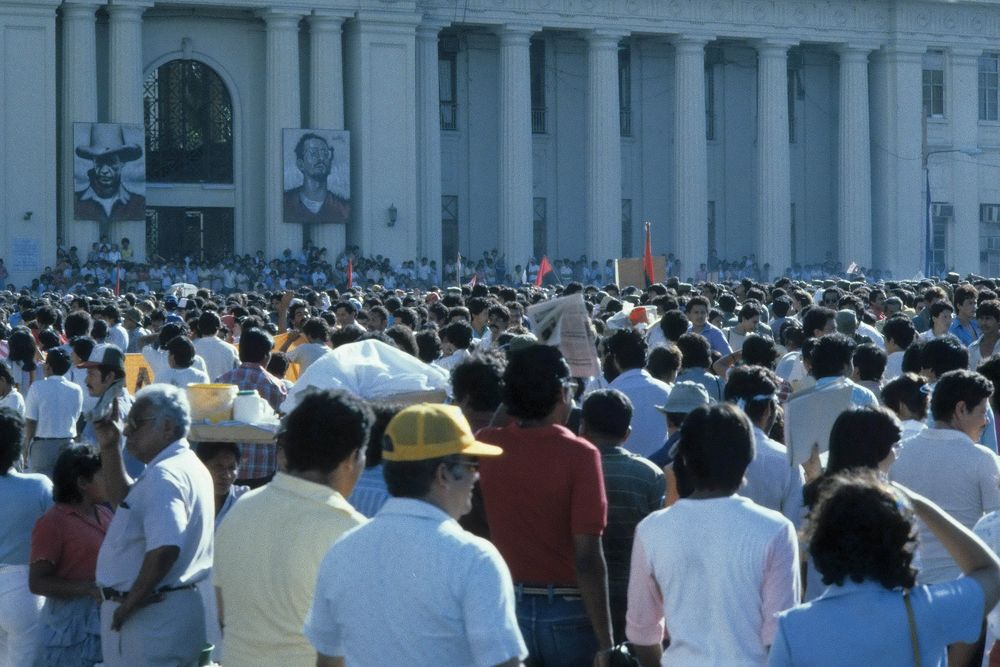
317	176
109	172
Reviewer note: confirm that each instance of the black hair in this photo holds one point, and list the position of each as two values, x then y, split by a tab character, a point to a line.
209	323
816	318
316	328
715	447
77	324
410	479
207	451
908	389
944	354
831	354
990	308
663	361
957	386
300	145
696	350
781	305
459	333
21	345
749	384
404	339
6	374
324	429
913	357
183	350
74	462
759	351
533	381
58	360
384	411
428	345
255	345
83	346
11	434
869	361
479	380
674	324
48	339
628	348
861	530
608	412
900	330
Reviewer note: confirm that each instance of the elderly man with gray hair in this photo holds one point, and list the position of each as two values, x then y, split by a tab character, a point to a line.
158	547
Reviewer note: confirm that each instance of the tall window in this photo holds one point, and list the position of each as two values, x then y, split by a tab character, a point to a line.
189	124
709	102
449	227
989	86
989	239
626	228
537	65
934	84
625	90
941	218
447	85
539	228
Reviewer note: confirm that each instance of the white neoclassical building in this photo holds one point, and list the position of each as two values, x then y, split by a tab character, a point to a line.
795	130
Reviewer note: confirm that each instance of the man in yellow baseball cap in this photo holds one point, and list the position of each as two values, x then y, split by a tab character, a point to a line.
438	594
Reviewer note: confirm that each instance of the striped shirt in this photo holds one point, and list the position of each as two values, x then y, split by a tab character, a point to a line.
257	459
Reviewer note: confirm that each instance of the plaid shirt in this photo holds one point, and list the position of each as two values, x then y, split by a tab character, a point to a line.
257	460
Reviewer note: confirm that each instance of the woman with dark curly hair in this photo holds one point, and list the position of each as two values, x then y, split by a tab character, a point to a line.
861	536
22	358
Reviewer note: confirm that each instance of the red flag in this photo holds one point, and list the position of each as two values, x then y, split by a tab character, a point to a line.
543	268
350	273
647	259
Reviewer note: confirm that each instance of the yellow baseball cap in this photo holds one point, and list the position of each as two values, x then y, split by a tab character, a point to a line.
430	431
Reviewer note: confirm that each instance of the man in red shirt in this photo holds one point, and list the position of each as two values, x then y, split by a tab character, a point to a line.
546	508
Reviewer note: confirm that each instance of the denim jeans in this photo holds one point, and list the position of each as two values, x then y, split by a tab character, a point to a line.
556	630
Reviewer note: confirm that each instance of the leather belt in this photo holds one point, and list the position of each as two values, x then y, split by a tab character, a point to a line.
111	595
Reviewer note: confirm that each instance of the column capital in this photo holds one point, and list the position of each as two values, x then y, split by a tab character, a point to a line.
857	50
79	9
128	10
282	17
513	34
431	28
774	47
903	52
599	37
321	20
691	41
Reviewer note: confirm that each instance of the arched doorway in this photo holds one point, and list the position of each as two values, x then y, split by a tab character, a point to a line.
189	162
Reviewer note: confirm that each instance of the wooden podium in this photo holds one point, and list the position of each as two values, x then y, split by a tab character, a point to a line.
629	271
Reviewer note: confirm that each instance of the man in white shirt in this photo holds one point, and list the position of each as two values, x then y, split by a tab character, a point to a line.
945	464
899	332
117	334
220	357
52	407
158	547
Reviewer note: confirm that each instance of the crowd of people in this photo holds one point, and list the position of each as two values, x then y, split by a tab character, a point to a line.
651	508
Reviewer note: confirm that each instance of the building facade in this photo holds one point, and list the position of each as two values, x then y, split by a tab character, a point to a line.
795	131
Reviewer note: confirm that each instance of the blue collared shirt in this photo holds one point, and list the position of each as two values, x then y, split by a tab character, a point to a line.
860	396
715	338
965	334
866	624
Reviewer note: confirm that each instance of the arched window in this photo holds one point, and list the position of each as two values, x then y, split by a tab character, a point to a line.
189	125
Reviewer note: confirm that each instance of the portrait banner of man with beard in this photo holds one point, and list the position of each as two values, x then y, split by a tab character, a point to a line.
317	176
109	172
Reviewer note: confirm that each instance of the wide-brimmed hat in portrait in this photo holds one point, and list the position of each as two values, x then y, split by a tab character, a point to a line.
108	139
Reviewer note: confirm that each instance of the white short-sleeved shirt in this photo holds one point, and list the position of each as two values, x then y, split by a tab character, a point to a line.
220	357
771	482
305	354
713	574
14	401
55	404
158	363
171	504
434	594
963	478
182	377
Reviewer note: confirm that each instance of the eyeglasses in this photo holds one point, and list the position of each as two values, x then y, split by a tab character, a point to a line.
133	424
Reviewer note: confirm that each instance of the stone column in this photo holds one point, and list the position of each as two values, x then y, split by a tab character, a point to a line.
773	175
515	141
326	102
963	90
897	175
79	104
854	194
604	155
281	110
125	96
690	185
428	144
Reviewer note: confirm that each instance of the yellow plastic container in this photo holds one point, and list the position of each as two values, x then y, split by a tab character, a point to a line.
212	402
